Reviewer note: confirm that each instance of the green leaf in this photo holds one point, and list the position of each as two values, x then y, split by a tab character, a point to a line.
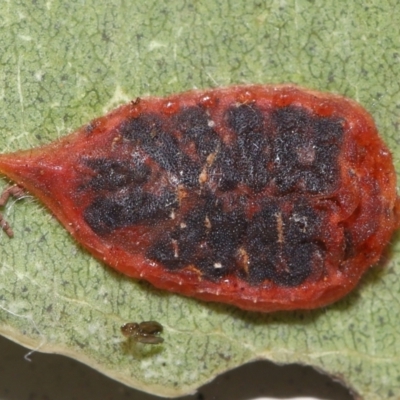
63	63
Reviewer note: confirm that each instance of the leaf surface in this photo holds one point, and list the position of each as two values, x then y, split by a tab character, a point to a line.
64	63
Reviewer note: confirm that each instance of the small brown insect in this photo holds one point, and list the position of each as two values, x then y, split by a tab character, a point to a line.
144	332
12	191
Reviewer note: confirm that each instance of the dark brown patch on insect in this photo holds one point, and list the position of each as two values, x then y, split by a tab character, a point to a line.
123	209
112	174
284	245
150	134
197	128
305	152
146	332
207	238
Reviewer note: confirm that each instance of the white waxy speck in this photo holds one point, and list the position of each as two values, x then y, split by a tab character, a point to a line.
39	75
172	215
154	45
211	123
217	265
175	247
306	154
302	221
183	225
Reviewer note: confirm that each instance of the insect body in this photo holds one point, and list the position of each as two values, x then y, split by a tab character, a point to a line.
14	191
265	197
144	332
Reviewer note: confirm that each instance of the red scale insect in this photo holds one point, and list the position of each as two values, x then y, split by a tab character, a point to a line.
265	197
